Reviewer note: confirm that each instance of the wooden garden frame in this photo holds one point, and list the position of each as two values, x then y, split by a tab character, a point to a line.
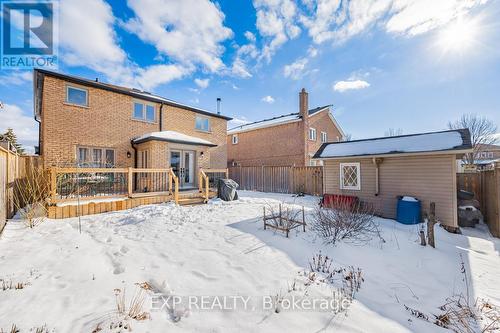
292	224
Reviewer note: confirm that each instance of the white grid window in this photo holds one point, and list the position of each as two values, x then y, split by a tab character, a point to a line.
324	137
312	134
350	176
235	139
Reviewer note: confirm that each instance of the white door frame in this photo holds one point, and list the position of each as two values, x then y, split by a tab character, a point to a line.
191	167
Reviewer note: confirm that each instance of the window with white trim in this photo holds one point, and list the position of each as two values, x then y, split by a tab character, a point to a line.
235	139
77	96
324	137
350	176
202	124
145	112
93	157
312	134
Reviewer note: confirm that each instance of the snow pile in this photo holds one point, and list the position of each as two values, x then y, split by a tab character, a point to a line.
401	144
409	199
221	250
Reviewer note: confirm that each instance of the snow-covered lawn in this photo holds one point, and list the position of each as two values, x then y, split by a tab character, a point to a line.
221	249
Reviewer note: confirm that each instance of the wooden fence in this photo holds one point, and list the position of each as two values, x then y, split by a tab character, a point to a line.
471	182
486	188
13	167
491	199
279	179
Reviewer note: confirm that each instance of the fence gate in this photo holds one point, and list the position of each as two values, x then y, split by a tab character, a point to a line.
279	179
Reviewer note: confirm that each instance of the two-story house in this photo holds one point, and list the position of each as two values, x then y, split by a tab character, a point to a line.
286	140
88	123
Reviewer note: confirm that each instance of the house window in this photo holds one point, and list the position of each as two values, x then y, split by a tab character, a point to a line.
77	96
312	134
350	176
235	139
324	137
202	124
92	157
145	112
312	162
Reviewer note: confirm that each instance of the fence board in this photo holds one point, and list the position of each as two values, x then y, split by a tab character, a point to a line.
279	179
470	182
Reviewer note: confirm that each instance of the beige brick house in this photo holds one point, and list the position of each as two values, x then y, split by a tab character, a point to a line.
92	124
286	140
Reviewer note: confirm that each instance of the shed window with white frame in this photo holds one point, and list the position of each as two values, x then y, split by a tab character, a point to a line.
350	176
235	139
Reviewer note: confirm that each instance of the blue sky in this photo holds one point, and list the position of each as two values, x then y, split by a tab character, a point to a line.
409	64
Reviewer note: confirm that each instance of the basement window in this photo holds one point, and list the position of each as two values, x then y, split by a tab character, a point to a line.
77	96
350	176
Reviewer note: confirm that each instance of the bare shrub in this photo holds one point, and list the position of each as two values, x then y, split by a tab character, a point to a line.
347	222
31	194
135	308
10	285
489	315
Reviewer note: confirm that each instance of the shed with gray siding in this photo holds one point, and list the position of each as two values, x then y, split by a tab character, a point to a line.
379	170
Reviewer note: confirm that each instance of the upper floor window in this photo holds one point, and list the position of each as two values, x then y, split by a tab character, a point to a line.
202	124
324	137
143	111
235	139
312	134
77	96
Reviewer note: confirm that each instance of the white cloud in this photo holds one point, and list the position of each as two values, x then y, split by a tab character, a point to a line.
16	78
202	83
88	38
342	86
268	99
277	22
337	21
188	31
25	127
245	54
295	70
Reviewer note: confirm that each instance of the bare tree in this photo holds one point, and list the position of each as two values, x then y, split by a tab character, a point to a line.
393	132
482	132
347	137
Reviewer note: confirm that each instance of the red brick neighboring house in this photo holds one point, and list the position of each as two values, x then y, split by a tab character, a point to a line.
88	123
285	140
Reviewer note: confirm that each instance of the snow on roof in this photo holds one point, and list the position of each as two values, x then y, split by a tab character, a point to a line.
279	120
172	136
415	143
265	123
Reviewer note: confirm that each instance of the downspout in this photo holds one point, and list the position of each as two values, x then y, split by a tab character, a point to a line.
135	152
160	121
377	162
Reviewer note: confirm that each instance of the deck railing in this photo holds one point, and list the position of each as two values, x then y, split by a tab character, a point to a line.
208	179
100	183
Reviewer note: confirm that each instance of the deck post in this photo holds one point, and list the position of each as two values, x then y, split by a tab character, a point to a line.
53	184
303	219
130	179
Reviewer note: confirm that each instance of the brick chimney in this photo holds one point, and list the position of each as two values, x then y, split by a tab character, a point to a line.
304	113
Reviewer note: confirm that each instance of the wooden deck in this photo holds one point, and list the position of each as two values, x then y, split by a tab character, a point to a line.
72	209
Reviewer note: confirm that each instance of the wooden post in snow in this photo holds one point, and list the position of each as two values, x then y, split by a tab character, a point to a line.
430	225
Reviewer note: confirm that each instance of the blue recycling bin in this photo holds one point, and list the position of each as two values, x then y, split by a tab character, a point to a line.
409	211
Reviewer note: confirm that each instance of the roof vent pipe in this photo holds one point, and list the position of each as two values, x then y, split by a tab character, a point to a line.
96	79
218	104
